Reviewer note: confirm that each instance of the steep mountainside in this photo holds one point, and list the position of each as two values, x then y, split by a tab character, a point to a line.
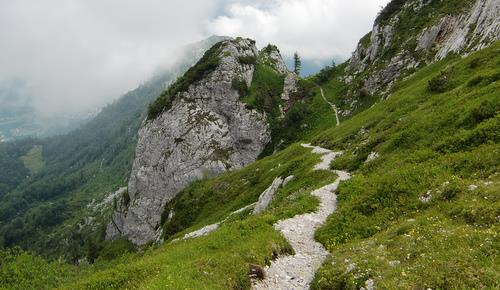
408	35
423	195
48	211
221	115
201	131
420	209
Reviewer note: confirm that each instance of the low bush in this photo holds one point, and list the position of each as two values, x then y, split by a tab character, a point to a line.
240	86
439	83
389	10
326	73
305	90
247	59
115	249
486	110
23	270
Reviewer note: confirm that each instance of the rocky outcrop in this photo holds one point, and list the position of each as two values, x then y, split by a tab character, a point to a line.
271	56
289	86
470	31
206	131
201	232
266	197
389	51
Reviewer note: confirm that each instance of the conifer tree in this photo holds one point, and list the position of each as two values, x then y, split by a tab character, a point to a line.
297	64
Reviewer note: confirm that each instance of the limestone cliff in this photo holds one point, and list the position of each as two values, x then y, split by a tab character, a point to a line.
410	34
202	131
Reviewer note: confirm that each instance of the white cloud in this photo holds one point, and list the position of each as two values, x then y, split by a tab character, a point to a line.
318	29
79	54
75	55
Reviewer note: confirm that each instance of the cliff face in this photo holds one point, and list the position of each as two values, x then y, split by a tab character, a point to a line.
409	34
206	131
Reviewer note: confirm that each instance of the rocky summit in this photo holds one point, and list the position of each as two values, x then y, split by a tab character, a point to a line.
206	131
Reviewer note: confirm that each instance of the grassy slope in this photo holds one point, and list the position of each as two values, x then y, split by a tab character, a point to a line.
442	142
223	258
33	160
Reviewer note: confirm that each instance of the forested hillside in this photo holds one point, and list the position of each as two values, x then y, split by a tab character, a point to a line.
47	211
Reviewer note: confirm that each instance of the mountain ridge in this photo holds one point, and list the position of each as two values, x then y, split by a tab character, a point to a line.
423	156
408	35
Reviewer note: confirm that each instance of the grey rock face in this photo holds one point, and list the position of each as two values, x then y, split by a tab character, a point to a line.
266	197
289	86
380	38
206	132
464	33
272	57
201	232
471	31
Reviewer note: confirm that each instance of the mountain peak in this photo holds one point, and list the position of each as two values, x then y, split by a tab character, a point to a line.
198	127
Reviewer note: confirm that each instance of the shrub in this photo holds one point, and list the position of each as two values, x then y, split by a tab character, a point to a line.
485	110
486	132
475	81
338	277
351	161
493	78
451	190
247	59
483	79
270	48
115	249
438	84
364	94
23	270
126	198
390	9
326	73
256	272
304	90
240	86
475	63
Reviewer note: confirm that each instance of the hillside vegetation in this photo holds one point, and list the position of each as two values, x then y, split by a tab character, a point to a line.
430	201
424	214
46	185
49	188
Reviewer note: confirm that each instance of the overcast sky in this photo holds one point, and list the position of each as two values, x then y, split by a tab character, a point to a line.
69	56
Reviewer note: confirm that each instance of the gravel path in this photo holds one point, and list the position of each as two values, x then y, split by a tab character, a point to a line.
334	108
297	271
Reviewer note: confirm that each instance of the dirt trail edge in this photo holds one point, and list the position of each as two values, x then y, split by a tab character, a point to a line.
297	271
334	108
